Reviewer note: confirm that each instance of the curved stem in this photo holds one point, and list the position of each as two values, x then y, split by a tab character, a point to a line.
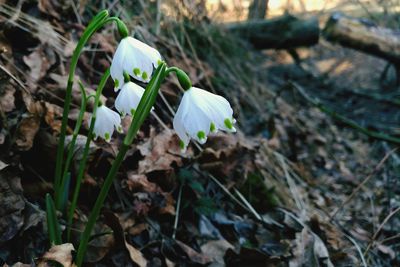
82	163
172	69
93	26
143	110
60	204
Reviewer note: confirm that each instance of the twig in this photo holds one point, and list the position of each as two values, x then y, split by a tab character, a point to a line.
355	191
178	208
21	84
292	186
358	249
390	238
380	228
154	114
345	120
75	9
228	192
158	18
249	206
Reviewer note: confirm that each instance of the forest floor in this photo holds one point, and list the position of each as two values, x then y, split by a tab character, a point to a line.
294	186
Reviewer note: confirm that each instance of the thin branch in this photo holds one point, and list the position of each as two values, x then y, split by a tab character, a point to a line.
358	188
380	228
178	208
345	120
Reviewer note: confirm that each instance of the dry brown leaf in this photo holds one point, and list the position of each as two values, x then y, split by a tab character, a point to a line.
51	112
169	263
61	84
135	255
216	249
48	7
59	253
310	250
169	207
99	247
7	99
387	250
139	182
193	254
228	155
12	204
114	223
137	229
26	132
39	63
160	152
104	42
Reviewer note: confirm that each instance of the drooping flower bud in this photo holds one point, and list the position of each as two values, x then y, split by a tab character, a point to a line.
201	112
122	29
183	79
106	120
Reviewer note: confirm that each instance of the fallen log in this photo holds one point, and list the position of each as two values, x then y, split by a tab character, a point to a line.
364	36
284	32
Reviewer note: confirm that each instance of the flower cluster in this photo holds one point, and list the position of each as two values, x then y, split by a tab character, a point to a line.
132	58
199	113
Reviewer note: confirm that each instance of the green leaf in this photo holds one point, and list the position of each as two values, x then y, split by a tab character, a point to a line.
205	206
196	186
52	222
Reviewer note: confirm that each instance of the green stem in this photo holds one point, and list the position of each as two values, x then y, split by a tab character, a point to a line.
143	110
61	188
82	163
93	26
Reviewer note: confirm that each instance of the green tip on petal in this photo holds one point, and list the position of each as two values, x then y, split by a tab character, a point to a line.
133	111
107	136
136	71
116	83
119	129
182	145
201	135
228	124
159	62
127	78
212	127
145	75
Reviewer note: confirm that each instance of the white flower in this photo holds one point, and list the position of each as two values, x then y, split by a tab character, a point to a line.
200	113
135	58
106	120
128	99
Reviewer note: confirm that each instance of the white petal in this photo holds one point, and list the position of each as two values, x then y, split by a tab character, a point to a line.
116	69
216	107
106	120
178	124
198	111
142	57
195	120
133	54
129	98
